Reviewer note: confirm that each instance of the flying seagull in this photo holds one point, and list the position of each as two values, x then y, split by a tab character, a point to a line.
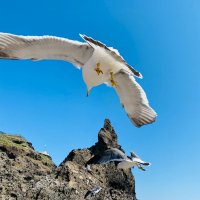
93	191
99	63
124	161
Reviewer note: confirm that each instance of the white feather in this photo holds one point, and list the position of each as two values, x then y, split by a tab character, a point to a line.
44	47
133	99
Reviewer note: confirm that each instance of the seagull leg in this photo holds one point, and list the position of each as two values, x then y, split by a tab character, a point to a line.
97	69
140	167
112	80
88	91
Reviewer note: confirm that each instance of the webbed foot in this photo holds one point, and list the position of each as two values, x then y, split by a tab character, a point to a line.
112	80
140	167
88	91
97	69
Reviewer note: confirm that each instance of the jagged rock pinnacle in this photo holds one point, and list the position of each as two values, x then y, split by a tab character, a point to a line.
107	139
107	125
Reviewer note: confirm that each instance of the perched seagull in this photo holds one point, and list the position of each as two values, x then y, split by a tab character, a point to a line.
124	161
93	191
99	63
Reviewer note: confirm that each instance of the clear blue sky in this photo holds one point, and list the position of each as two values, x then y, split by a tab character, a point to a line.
46	101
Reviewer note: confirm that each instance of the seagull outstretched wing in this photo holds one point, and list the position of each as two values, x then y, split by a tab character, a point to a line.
44	47
112	155
133	155
133	99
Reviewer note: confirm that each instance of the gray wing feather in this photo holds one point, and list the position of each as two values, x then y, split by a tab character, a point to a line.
112	155
145	163
133	99
139	161
133	155
44	47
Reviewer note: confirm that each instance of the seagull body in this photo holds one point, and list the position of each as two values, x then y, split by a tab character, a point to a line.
90	77
125	161
99	63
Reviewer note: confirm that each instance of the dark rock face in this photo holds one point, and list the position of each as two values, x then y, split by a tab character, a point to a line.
20	166
25	174
107	139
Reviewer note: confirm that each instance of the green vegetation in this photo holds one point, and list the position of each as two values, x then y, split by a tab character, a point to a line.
18	141
4	142
43	157
11	140
19	138
20	146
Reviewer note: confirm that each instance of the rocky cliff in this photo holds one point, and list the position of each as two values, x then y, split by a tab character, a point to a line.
26	174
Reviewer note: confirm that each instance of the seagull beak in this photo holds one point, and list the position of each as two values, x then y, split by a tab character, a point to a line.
88	91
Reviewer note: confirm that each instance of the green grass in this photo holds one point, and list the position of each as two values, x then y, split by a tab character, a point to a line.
16	137
4	142
43	157
19	145
30	158
8	140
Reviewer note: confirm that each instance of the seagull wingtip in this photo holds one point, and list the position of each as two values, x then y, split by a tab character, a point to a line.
82	35
140	76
